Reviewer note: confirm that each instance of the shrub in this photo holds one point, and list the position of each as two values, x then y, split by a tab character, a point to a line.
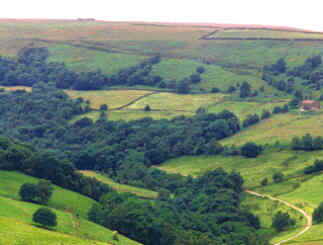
251	150
282	220
278	177
200	69
264	182
103	107
265	114
147	108
45	217
215	90
318	214
250	120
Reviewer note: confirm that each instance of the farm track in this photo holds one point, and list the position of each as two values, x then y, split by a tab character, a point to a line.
290	205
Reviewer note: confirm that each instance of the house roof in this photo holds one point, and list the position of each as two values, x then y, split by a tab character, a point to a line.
309	102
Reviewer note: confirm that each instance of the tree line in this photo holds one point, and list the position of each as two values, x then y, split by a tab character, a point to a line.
31	66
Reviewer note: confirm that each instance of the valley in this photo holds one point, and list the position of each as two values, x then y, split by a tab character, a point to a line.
141	127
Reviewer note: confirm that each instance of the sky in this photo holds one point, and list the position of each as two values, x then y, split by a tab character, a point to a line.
306	14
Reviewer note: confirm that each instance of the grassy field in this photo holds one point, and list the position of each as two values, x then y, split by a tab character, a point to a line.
141	192
253	170
214	76
177	102
112	98
276	34
82	59
62	199
244	108
281	128
265	209
66	205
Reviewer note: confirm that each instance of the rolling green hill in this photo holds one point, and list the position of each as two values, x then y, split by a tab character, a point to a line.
70	207
141	192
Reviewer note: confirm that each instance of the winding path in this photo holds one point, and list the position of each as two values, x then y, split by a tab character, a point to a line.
306	215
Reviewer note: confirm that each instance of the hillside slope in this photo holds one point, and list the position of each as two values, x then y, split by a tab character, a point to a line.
70	207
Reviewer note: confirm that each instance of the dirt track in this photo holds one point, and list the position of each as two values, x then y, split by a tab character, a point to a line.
306	215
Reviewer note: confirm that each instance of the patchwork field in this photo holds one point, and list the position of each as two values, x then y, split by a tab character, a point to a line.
82	59
66	204
177	102
141	192
112	98
280	128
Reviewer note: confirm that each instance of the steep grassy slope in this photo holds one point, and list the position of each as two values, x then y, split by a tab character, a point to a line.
62	199
141	192
70	207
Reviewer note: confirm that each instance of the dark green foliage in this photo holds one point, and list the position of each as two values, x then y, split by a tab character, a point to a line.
32	67
202	208
251	150
183	87
147	108
307	143
318	214
265	114
278	109
250	120
215	90
278	177
200	69
195	78
37	193
231	89
245	90
103	107
46	165
316	167
264	182
45	217
282	221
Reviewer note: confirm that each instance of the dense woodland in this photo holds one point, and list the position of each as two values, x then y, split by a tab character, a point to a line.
178	216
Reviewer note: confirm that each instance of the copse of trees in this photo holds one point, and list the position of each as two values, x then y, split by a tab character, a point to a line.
318	214
308	73
31	66
307	143
250	120
38	193
196	208
282	221
316	167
